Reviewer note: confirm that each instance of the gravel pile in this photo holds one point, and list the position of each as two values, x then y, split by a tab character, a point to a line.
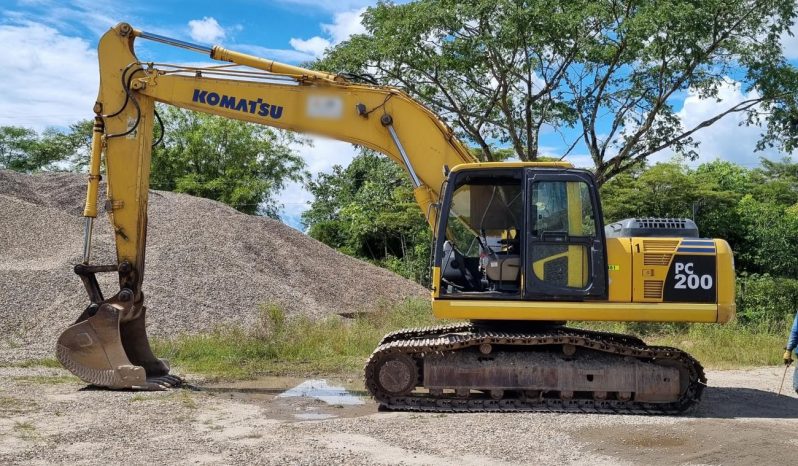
207	265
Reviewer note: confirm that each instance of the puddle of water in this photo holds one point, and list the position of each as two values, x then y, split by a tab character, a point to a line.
321	390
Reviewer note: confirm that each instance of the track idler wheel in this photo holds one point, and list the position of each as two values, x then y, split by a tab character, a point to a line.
105	350
397	374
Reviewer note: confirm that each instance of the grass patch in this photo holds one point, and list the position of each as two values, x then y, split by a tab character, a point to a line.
43	362
25	430
730	346
281	346
183	397
277	345
10	406
47	379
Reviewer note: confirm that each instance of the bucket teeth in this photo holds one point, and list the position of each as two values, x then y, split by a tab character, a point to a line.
94	349
163	382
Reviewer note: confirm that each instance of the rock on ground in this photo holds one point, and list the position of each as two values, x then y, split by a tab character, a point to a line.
207	265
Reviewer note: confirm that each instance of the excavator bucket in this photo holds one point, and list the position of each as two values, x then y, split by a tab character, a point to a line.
103	348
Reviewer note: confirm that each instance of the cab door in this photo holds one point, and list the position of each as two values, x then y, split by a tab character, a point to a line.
565	253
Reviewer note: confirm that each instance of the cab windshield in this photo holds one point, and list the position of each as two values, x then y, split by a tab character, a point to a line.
483	234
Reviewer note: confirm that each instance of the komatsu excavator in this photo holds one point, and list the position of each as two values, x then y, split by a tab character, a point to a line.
520	248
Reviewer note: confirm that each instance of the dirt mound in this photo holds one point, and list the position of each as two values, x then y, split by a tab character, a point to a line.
207	265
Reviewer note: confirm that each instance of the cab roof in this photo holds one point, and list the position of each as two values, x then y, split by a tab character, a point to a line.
483	165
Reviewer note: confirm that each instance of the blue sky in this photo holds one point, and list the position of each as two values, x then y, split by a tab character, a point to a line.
50	64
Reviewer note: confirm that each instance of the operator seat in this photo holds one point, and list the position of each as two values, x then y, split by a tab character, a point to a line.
503	268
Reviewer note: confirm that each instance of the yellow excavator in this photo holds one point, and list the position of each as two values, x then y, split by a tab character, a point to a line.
520	249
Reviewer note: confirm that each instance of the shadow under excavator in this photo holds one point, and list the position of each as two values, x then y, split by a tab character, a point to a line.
717	402
736	402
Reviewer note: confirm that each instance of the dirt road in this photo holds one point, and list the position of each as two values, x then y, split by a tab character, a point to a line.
46	417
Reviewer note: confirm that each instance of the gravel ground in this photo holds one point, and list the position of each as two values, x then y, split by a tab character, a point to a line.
47	417
207	265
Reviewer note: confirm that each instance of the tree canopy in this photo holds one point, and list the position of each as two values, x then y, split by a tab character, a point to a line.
368	210
26	150
755	210
241	164
604	74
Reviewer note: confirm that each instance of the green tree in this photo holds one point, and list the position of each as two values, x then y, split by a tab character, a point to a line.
776	181
771	237
79	136
25	150
663	190
502	70
241	164
367	210
16	146
756	211
716	214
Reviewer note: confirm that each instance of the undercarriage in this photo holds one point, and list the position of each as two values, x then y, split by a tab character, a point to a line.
474	368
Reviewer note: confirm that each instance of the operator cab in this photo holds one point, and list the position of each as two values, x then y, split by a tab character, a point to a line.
520	231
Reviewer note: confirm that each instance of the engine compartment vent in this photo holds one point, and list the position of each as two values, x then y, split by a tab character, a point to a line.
660	246
652	226
652	289
657	259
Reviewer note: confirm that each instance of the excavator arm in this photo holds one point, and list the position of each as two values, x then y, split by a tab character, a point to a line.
108	345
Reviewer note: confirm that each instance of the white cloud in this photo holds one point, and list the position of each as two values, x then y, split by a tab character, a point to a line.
206	30
578	160
727	139
94	16
314	46
50	79
325	152
345	24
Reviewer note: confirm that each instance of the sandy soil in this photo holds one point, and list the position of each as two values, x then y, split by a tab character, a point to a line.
49	417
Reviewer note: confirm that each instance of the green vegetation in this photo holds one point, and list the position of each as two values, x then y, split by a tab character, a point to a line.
241	164
368	210
47	379
43	362
301	347
502	70
25	430
25	150
731	346
755	210
280	346
10	406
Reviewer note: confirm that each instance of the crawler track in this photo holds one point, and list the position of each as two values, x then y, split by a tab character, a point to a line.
416	343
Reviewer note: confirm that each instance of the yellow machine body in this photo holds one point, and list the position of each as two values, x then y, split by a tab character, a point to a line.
636	281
